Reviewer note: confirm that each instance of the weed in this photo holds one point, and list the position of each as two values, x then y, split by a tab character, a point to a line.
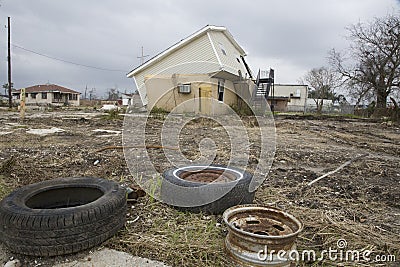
158	113
112	115
242	111
154	187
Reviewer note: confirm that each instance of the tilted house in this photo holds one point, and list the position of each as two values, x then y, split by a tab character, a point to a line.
203	73
48	94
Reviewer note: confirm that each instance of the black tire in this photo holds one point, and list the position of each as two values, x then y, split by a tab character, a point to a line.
175	191
61	216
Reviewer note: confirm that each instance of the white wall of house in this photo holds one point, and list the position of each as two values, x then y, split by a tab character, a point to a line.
195	57
163	93
230	60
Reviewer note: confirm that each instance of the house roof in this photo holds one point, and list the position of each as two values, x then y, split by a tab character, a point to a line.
129	95
47	88
185	41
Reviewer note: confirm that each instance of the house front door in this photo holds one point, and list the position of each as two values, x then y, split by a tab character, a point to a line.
205	99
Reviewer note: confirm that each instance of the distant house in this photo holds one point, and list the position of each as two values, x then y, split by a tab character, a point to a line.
127	99
206	71
289	97
3	97
48	94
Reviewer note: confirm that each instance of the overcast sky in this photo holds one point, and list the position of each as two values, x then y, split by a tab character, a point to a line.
288	35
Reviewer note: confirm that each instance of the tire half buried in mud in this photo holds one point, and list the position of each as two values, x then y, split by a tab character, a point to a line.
61	216
209	189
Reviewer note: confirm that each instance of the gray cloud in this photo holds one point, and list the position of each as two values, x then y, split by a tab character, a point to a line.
290	36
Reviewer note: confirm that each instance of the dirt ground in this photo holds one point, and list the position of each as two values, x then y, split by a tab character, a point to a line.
360	203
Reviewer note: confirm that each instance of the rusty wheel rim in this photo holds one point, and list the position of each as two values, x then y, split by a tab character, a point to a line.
262	222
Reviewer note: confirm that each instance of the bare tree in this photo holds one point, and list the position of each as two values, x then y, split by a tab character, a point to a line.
322	82
374	57
112	94
360	94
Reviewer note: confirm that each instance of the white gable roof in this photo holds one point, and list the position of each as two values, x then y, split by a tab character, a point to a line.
185	41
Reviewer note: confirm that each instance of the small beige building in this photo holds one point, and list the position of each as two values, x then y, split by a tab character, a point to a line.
289	97
203	73
48	94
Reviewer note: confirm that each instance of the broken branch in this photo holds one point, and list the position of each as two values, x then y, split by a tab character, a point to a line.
147	147
336	170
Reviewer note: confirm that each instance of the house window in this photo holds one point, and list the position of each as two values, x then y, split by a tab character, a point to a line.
44	95
184	88
222	48
26	95
72	97
57	96
221	91
33	95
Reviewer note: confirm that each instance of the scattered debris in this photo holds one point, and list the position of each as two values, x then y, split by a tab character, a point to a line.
109	107
335	207
13	263
147	147
134	192
106	133
43	132
133	221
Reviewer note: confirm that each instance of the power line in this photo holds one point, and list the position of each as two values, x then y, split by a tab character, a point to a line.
66	61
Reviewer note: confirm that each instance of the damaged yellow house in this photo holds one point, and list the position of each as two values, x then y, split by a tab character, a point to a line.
203	73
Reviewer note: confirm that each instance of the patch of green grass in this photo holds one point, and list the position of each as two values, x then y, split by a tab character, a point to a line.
159	113
20	127
112	115
4	188
245	110
351	116
158	110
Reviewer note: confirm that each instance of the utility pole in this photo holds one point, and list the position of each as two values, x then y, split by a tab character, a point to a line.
142	57
9	65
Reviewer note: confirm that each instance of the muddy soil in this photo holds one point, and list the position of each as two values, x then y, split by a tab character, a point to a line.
363	195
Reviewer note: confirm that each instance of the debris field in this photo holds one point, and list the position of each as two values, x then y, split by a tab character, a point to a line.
359	203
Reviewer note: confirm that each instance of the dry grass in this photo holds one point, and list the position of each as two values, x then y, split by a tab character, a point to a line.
157	231
361	224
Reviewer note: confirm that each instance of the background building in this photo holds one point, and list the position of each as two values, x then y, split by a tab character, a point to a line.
48	94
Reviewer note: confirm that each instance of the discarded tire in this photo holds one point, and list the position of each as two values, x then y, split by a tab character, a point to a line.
260	235
209	189
61	216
